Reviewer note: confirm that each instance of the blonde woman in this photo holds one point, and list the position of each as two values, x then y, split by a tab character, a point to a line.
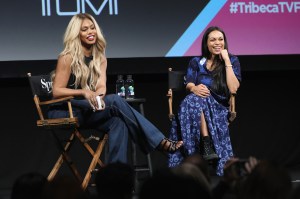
81	72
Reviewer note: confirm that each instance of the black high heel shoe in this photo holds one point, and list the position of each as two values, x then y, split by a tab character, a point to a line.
170	146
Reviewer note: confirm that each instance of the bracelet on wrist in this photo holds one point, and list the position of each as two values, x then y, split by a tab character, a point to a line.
228	66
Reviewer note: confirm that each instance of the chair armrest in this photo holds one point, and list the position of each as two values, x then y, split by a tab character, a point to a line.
170	101
232	112
53	101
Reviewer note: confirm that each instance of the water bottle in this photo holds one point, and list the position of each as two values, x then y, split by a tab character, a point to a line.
129	87
120	89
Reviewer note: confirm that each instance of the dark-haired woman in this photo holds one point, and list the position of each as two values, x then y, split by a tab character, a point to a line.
203	114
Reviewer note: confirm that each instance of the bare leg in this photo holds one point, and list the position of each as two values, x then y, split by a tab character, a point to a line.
204	131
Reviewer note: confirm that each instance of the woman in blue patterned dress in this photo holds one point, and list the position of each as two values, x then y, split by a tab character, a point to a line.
203	114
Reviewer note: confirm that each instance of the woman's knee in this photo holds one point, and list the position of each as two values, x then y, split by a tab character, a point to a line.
111	98
117	120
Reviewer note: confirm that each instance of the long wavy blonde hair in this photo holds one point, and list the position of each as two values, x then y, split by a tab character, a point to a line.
86	76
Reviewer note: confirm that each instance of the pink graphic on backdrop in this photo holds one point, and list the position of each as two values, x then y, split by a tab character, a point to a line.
257	33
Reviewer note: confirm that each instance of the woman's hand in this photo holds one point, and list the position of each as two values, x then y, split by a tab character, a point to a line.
91	97
200	90
224	55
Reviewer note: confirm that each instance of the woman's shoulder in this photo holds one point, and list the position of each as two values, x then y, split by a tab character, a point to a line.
64	61
233	57
103	58
195	62
195	59
65	57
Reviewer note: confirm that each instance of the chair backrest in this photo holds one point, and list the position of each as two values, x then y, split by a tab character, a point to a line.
41	88
41	85
176	82
176	79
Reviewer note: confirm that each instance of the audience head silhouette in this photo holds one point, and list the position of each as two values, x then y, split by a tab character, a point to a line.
167	184
197	160
28	185
115	180
267	180
64	187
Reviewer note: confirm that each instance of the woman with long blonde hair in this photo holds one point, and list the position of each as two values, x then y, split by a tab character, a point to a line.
81	72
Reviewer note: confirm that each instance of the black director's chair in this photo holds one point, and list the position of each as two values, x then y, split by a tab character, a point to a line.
41	86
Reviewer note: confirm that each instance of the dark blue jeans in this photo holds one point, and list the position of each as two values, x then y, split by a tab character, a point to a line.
120	120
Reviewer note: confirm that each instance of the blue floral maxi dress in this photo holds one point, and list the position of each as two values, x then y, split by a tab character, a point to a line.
215	109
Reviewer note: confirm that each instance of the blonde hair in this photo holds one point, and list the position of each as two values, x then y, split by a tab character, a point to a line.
86	77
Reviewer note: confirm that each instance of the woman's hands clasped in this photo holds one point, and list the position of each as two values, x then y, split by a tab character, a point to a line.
201	90
96	101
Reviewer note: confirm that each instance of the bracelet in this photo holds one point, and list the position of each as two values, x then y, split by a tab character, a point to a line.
228	66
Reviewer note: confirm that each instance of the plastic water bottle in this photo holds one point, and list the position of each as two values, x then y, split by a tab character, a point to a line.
129	87
120	87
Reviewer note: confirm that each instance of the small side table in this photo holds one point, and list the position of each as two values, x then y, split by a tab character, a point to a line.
139	102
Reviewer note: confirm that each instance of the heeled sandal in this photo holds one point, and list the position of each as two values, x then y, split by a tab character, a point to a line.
170	146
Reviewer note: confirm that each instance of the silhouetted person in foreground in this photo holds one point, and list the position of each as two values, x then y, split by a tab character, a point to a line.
197	160
115	181
268	180
236	171
28	186
167	184
64	187
295	193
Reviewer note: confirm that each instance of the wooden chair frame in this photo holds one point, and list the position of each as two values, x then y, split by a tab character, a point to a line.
72	124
